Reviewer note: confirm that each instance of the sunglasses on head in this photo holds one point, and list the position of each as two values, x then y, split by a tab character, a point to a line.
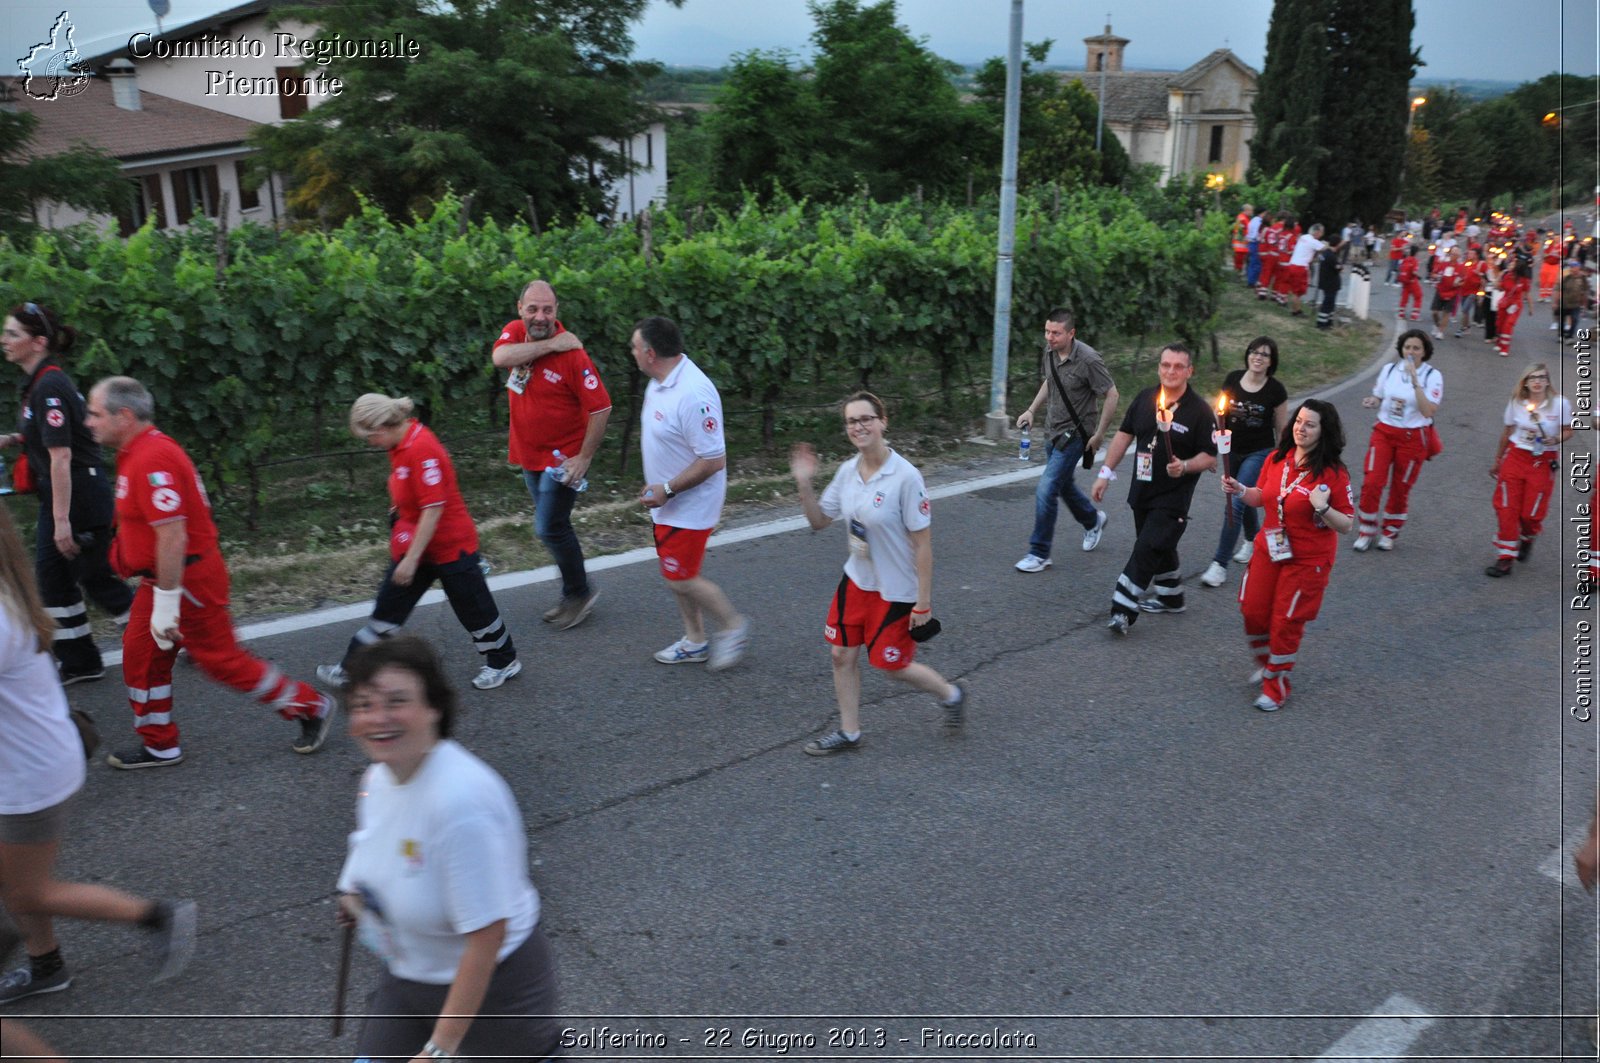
33	308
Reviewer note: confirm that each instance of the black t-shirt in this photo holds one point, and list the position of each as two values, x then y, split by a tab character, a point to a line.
53	415
1251	414
1192	425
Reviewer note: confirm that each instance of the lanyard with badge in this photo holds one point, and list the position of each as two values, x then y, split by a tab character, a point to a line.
1278	538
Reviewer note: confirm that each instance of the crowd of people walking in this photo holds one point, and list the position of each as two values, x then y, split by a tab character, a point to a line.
436	879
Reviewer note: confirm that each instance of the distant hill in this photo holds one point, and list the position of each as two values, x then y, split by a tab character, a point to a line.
1475	90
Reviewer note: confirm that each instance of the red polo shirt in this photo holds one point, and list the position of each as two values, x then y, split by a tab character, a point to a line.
551	399
421	477
157	484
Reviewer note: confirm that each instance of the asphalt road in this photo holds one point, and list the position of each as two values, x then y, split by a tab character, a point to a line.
1120	856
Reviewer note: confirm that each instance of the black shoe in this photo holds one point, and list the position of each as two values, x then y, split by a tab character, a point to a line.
130	760
314	729
1502	567
1524	549
1118	624
20	984
84	675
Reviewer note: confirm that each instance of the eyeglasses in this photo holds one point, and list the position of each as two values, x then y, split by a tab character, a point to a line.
1538	376
33	308
860	422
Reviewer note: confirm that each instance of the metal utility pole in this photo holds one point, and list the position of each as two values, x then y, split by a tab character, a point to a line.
996	422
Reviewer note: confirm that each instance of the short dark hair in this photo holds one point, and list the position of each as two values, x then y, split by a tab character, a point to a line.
1272	352
1062	316
661	335
411	654
1329	451
1414	333
1180	348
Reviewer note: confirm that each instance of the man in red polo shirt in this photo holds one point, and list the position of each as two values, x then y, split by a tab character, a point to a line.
165	535
559	409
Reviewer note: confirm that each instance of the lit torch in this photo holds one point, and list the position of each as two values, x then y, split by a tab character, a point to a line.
1224	440
1164	421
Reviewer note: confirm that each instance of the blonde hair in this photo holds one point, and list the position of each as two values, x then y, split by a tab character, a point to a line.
373	411
18	591
1519	394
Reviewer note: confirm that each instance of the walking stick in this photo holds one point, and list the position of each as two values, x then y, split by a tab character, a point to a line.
343	981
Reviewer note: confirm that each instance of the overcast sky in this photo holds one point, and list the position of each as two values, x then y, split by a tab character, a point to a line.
1459	39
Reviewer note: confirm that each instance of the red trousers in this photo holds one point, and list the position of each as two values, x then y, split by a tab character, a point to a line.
1549	277
1394	459
1411	292
1521	499
1505	321
1277	599
206	629
1269	271
1240	254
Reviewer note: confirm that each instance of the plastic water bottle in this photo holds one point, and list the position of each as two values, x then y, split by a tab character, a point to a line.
561	474
1023	444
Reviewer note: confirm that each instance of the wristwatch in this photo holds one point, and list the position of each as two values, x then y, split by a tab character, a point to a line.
666	485
434	1051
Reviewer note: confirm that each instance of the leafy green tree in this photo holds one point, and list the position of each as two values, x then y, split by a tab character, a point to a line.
82	177
508	100
893	112
763	133
1056	122
1332	102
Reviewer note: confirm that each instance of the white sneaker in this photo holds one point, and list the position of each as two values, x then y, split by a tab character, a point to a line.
1246	551
1266	704
332	676
728	646
684	652
1362	544
1215	575
1257	676
491	677
1438	335
1032	563
1091	538
1385	542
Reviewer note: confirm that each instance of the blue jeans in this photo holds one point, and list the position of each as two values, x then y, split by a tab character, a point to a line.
1252	264
1245	518
552	523
1056	483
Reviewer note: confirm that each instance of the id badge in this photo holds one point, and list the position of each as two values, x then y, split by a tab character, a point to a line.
1397	408
858	541
1144	465
1278	545
518	381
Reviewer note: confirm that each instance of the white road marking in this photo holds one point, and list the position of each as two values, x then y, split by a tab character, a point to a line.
1386	1036
349	614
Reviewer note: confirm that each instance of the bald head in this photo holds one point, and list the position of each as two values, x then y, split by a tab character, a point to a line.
537	309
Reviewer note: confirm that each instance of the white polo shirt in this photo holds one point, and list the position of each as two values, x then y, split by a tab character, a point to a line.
1305	249
681	422
1546	420
892	503
1398	399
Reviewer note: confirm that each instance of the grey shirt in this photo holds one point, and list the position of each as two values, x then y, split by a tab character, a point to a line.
1086	378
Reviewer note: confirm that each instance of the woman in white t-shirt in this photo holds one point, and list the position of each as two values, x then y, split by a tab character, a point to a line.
41	767
1537	422
1406	395
886	592
437	877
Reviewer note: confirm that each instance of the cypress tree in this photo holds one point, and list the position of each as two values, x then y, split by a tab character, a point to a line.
1332	103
